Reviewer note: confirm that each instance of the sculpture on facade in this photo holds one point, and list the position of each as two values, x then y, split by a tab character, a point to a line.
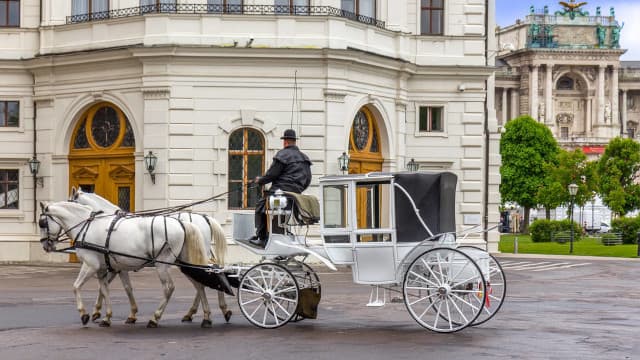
615	36
598	13
572	9
607	112
601	33
541	112
534	33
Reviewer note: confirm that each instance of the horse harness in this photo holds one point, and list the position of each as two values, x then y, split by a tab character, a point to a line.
117	216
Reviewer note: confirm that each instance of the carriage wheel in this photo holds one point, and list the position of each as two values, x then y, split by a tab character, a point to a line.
496	289
307	278
444	290
268	295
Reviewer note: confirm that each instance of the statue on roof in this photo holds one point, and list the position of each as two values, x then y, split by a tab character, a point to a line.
601	33
572	9
615	36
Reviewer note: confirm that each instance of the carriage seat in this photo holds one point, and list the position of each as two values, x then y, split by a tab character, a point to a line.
306	208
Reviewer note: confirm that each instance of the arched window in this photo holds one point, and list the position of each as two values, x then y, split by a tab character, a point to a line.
246	161
566	83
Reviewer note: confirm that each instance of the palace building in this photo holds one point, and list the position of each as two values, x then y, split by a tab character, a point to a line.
563	68
155	103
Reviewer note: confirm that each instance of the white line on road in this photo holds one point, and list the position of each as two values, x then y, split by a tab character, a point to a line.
567	266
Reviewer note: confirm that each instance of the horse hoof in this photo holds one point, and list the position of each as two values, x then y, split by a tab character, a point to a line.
227	315
95	316
105	323
152	324
85	319
130	321
206	324
187	318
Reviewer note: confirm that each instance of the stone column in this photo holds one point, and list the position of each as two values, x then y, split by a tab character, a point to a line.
623	112
614	96
533	92
514	103
600	97
548	92
505	107
589	115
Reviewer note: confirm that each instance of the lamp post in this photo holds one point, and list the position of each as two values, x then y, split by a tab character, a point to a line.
413	165
34	167
343	162
150	162
573	190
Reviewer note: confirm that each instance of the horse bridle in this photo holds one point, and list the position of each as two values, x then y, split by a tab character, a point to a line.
43	223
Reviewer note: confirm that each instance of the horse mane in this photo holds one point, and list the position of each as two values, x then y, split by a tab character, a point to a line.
193	248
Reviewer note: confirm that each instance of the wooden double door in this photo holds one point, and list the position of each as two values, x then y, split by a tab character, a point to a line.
111	178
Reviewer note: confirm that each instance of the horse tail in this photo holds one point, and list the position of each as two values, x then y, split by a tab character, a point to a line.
218	240
193	248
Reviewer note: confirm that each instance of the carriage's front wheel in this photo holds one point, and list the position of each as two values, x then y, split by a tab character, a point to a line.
444	290
268	295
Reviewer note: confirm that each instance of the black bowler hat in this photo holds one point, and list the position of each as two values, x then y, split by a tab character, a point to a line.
289	134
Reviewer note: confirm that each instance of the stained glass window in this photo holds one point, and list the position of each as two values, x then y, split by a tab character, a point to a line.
360	130
246	161
105	126
81	141
129	140
9	189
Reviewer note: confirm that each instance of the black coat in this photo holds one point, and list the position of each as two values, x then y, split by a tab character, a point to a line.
290	171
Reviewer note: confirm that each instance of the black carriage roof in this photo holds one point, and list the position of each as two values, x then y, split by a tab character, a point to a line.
433	193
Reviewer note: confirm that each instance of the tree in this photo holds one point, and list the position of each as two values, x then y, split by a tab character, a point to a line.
571	167
526	147
618	168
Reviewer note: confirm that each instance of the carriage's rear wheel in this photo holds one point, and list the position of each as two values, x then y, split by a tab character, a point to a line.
268	295
444	290
496	288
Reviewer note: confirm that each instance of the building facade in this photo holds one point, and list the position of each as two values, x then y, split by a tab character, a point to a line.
89	87
563	68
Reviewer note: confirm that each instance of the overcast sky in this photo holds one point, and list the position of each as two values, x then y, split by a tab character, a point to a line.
627	12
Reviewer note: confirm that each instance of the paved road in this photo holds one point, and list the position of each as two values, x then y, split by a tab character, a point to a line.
557	308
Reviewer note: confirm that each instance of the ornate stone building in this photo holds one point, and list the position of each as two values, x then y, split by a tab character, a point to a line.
564	70
89	87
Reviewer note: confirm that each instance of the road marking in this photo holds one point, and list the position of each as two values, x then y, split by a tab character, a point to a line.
524	266
568	266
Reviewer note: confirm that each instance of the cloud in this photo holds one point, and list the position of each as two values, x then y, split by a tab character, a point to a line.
629	39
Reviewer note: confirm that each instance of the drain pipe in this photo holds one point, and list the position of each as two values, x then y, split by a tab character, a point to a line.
35	182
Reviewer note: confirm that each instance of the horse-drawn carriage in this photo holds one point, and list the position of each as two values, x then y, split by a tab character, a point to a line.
395	231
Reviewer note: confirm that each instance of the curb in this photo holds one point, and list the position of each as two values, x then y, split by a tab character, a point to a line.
562	257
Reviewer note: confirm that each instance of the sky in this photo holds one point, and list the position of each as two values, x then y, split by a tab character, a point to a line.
507	11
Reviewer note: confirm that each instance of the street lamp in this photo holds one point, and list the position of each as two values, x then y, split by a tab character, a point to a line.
413	165
150	162
343	162
34	167
573	190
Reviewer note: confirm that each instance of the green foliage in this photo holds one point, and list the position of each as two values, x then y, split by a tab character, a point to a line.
526	148
617	170
609	239
628	227
571	167
545	230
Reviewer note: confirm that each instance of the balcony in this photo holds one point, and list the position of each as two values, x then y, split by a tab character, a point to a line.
250	10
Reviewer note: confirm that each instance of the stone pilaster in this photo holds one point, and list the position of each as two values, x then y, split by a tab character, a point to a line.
505	107
600	97
623	112
548	102
614	96
514	103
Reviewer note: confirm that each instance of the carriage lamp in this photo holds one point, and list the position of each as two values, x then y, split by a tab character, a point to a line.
573	190
150	162
34	167
413	165
343	162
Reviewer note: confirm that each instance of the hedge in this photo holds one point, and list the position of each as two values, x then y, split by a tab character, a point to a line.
543	230
628	227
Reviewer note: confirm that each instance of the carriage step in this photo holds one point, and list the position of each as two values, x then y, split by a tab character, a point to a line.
374	298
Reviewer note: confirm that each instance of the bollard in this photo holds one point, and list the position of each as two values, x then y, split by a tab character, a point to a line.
515	244
638	242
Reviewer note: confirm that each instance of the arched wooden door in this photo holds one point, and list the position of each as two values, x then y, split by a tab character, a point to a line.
365	156
101	155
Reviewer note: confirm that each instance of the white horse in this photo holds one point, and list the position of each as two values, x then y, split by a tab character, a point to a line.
212	235
106	242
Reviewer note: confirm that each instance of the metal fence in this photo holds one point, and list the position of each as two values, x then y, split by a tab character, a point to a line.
225	9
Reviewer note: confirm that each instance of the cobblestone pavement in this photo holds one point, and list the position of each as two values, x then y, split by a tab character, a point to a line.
557	308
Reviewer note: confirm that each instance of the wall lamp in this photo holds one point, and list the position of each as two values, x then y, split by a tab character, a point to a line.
412	165
343	162
34	167
150	162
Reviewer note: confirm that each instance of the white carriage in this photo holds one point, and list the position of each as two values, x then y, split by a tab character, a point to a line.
395	231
